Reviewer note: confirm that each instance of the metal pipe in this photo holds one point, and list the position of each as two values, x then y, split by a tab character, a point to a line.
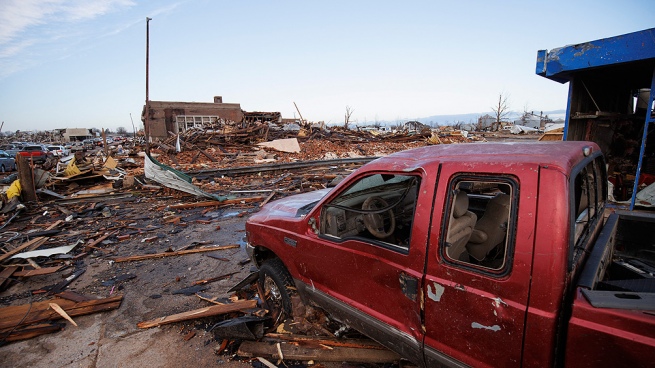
146	122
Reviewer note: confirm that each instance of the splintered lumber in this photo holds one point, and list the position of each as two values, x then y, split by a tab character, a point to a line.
5	276
215	203
270	196
322	340
31	331
31	244
210	157
253	349
97	241
172	254
23	315
62	313
217	278
213	310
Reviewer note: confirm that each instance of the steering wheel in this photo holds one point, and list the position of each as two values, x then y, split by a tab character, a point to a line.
374	221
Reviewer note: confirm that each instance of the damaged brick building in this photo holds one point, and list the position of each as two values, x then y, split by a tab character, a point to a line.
176	117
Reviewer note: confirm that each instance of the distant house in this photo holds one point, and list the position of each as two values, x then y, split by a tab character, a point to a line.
75	134
415	126
486	121
530	121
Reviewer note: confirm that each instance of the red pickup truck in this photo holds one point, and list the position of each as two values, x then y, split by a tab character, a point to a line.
490	254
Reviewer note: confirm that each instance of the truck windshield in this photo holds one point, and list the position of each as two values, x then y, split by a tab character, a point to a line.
378	208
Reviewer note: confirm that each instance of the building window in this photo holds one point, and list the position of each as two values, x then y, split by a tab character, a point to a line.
185	122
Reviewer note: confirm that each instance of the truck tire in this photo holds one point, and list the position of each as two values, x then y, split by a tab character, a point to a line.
276	284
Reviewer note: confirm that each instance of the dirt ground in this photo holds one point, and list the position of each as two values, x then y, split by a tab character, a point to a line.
112	339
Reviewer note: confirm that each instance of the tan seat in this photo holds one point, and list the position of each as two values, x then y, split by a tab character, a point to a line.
491	230
460	227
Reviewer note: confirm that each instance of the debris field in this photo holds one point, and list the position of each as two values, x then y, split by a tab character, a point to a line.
109	266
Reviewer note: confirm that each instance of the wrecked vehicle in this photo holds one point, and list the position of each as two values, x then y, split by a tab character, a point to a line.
471	255
36	152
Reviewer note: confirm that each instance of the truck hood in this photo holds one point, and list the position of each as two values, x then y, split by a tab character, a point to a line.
294	206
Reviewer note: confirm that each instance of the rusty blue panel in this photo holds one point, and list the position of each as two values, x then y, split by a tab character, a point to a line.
559	64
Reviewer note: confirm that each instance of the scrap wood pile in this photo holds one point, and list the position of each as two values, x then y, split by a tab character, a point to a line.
246	329
237	134
247	144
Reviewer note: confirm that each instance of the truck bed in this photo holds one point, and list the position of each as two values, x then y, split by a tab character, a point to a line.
620	272
612	322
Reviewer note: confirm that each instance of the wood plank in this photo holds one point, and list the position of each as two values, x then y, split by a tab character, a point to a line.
337	354
37	272
55	224
31	244
73	296
97	241
5	275
41	311
213	310
270	196
172	254
33	331
33	263
19	248
323	340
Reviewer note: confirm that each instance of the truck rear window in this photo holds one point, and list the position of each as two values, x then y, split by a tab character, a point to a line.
478	228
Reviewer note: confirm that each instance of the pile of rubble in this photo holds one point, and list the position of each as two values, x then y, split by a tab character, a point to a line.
78	238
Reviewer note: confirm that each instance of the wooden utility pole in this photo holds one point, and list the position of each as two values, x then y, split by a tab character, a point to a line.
146	122
104	142
302	121
26	177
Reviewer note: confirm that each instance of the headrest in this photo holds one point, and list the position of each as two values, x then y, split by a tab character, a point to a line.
461	204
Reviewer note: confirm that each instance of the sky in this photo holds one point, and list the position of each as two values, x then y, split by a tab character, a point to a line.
82	63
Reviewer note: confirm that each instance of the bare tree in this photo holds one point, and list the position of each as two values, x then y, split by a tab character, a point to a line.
346	119
121	130
502	109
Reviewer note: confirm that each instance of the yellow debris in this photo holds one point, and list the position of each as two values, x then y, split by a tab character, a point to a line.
14	189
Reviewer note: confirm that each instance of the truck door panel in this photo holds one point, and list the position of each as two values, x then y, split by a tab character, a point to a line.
379	277
476	300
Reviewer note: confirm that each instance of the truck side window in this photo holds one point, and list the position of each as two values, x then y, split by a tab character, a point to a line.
378	208
478	223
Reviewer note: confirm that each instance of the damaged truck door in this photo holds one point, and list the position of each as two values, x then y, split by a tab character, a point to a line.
366	239
465	255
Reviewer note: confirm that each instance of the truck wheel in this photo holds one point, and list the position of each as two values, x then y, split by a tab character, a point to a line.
276	284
